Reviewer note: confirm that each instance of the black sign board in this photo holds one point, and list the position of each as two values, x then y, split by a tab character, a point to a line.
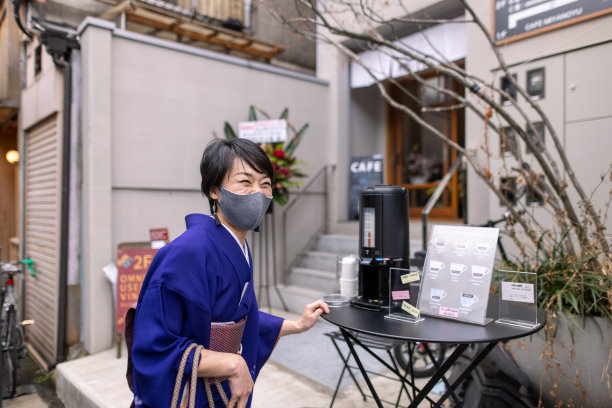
515	19
363	172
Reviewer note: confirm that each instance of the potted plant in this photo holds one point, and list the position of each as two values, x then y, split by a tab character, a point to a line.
286	173
569	363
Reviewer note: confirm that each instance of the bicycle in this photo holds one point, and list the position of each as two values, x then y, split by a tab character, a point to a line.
12	340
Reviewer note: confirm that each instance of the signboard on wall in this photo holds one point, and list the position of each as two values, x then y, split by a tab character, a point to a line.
132	266
264	131
516	19
363	172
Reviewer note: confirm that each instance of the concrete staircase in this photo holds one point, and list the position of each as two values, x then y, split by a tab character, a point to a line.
315	272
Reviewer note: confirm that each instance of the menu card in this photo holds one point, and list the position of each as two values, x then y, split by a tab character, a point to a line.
457	273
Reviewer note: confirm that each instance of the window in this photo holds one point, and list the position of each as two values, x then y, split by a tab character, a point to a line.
534	198
37	60
507	186
507	142
536	83
538	137
508	88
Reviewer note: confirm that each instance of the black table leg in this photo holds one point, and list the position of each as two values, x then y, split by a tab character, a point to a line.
475	361
361	367
438	374
437	365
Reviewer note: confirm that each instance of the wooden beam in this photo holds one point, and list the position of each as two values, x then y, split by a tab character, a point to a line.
176	27
118	9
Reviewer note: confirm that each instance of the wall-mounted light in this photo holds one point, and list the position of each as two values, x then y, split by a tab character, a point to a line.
12	156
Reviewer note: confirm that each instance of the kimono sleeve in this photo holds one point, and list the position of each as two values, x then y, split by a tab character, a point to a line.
269	330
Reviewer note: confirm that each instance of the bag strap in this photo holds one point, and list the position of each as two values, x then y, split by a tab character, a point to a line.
193	380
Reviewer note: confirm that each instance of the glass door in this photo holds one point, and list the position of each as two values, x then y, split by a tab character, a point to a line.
417	158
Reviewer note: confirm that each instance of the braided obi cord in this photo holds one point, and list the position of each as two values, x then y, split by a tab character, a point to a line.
193	380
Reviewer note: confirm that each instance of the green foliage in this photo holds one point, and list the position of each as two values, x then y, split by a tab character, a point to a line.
572	285
229	132
286	175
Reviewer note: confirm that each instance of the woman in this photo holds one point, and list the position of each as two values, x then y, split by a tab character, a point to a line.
205	276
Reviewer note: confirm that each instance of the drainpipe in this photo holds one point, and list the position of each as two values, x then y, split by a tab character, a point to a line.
59	44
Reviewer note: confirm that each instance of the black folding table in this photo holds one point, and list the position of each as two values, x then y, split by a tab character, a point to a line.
431	330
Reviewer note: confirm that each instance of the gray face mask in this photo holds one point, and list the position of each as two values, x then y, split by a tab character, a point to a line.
244	211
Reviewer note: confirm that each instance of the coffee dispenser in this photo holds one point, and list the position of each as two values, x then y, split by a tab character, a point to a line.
383	242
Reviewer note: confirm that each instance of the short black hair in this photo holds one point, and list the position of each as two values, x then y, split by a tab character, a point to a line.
218	158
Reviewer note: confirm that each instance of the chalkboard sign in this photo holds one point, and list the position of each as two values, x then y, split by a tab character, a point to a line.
516	19
363	172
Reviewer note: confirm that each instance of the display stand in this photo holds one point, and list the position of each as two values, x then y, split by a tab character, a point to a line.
457	273
404	291
262	241
518	300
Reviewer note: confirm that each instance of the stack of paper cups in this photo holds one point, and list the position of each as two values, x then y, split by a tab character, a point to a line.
348	276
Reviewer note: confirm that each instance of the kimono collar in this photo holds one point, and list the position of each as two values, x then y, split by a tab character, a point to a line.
226	242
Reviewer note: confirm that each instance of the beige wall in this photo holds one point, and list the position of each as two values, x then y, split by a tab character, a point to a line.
578	101
9	54
149	109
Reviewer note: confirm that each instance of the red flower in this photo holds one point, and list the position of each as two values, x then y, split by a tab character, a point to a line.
279	153
279	186
285	172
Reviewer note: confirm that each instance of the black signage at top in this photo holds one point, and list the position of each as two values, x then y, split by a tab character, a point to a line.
514	19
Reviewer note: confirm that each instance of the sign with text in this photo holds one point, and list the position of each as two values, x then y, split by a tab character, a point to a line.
363	172
263	131
515	19
132	266
158	234
457	273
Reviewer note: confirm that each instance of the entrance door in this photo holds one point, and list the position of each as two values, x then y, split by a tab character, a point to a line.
416	158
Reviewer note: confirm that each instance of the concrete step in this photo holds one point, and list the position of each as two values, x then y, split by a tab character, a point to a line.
295	297
322	281
325	261
337	243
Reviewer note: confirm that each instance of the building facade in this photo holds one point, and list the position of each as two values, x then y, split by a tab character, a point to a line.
149	90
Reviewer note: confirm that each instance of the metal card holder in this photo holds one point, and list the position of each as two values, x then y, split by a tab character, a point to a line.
404	285
518	304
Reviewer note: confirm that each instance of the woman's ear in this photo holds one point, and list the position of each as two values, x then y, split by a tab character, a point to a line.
214	193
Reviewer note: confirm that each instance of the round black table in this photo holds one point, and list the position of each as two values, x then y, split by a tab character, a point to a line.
352	319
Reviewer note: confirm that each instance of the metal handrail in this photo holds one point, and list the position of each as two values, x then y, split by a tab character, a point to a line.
436	195
322	170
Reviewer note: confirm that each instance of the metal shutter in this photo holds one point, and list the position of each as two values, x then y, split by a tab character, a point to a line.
42	233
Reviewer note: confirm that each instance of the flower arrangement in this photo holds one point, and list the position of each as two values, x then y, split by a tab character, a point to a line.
281	154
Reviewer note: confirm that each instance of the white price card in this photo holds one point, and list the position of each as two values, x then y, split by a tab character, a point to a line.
518	292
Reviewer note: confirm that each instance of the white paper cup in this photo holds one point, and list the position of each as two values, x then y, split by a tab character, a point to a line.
349	287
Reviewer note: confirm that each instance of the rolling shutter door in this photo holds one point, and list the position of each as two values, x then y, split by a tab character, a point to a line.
42	234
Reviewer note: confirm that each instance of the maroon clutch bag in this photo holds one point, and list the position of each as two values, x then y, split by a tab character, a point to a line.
226	338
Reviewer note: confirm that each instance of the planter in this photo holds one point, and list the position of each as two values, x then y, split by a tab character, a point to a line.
569	373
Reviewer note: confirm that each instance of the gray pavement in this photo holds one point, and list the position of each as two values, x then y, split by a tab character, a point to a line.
302	372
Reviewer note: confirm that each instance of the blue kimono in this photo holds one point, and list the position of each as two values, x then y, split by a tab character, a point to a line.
197	279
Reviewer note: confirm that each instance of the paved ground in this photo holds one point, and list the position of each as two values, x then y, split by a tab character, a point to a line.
301	373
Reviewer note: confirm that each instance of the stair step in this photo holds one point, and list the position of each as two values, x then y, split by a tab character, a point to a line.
341	244
322	281
325	261
295	297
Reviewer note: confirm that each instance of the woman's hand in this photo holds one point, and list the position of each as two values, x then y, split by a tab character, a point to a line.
232	366
241	384
309	317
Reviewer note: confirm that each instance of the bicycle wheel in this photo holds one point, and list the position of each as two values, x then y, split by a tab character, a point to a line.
422	364
9	337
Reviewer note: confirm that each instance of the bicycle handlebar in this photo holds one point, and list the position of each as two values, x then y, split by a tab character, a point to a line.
8	267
